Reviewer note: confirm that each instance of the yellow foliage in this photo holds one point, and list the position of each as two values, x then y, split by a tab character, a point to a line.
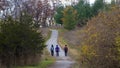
88	51
101	39
118	46
118	43
69	18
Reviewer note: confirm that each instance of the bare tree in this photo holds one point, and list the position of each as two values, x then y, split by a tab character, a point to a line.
42	11
4	7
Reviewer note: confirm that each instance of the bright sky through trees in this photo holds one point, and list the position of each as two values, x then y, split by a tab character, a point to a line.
92	1
68	1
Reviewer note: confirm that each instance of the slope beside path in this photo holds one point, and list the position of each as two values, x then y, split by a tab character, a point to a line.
61	61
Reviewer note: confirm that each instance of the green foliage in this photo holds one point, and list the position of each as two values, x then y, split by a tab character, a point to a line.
59	15
69	18
25	18
84	12
97	6
113	2
18	38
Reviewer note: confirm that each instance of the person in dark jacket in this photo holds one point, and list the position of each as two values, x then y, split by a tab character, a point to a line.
57	49
52	50
65	50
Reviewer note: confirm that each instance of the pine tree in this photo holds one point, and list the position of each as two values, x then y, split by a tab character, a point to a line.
59	15
18	38
97	6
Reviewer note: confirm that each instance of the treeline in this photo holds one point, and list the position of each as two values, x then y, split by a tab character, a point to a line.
38	9
79	14
20	42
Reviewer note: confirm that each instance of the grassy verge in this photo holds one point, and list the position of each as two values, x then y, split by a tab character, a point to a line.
73	50
44	63
46	32
48	35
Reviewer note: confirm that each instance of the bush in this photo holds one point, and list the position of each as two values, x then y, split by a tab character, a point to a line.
102	35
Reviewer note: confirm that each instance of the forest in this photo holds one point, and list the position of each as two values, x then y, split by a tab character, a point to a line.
91	30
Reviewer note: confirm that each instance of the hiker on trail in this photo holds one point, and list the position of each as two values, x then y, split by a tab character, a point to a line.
52	50
65	50
57	49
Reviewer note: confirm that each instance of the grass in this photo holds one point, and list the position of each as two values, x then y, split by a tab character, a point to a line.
42	64
48	35
47	60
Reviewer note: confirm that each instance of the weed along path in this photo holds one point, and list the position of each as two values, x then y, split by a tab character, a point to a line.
61	61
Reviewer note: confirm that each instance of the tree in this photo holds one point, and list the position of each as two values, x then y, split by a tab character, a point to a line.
97	6
19	40
84	12
59	15
69	18
38	9
113	2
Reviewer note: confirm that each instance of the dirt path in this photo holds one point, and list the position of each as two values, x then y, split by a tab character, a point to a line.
61	61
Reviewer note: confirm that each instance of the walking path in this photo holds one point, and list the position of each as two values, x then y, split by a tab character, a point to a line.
61	61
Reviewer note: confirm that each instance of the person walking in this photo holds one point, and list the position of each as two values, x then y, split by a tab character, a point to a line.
52	50
57	49
65	50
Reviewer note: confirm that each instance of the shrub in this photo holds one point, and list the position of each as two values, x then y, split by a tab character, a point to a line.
102	34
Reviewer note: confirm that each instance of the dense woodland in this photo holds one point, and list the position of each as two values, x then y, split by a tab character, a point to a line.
21	41
79	14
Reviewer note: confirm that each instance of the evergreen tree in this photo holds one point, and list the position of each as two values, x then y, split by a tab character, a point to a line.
59	15
69	18
97	6
18	38
84	12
